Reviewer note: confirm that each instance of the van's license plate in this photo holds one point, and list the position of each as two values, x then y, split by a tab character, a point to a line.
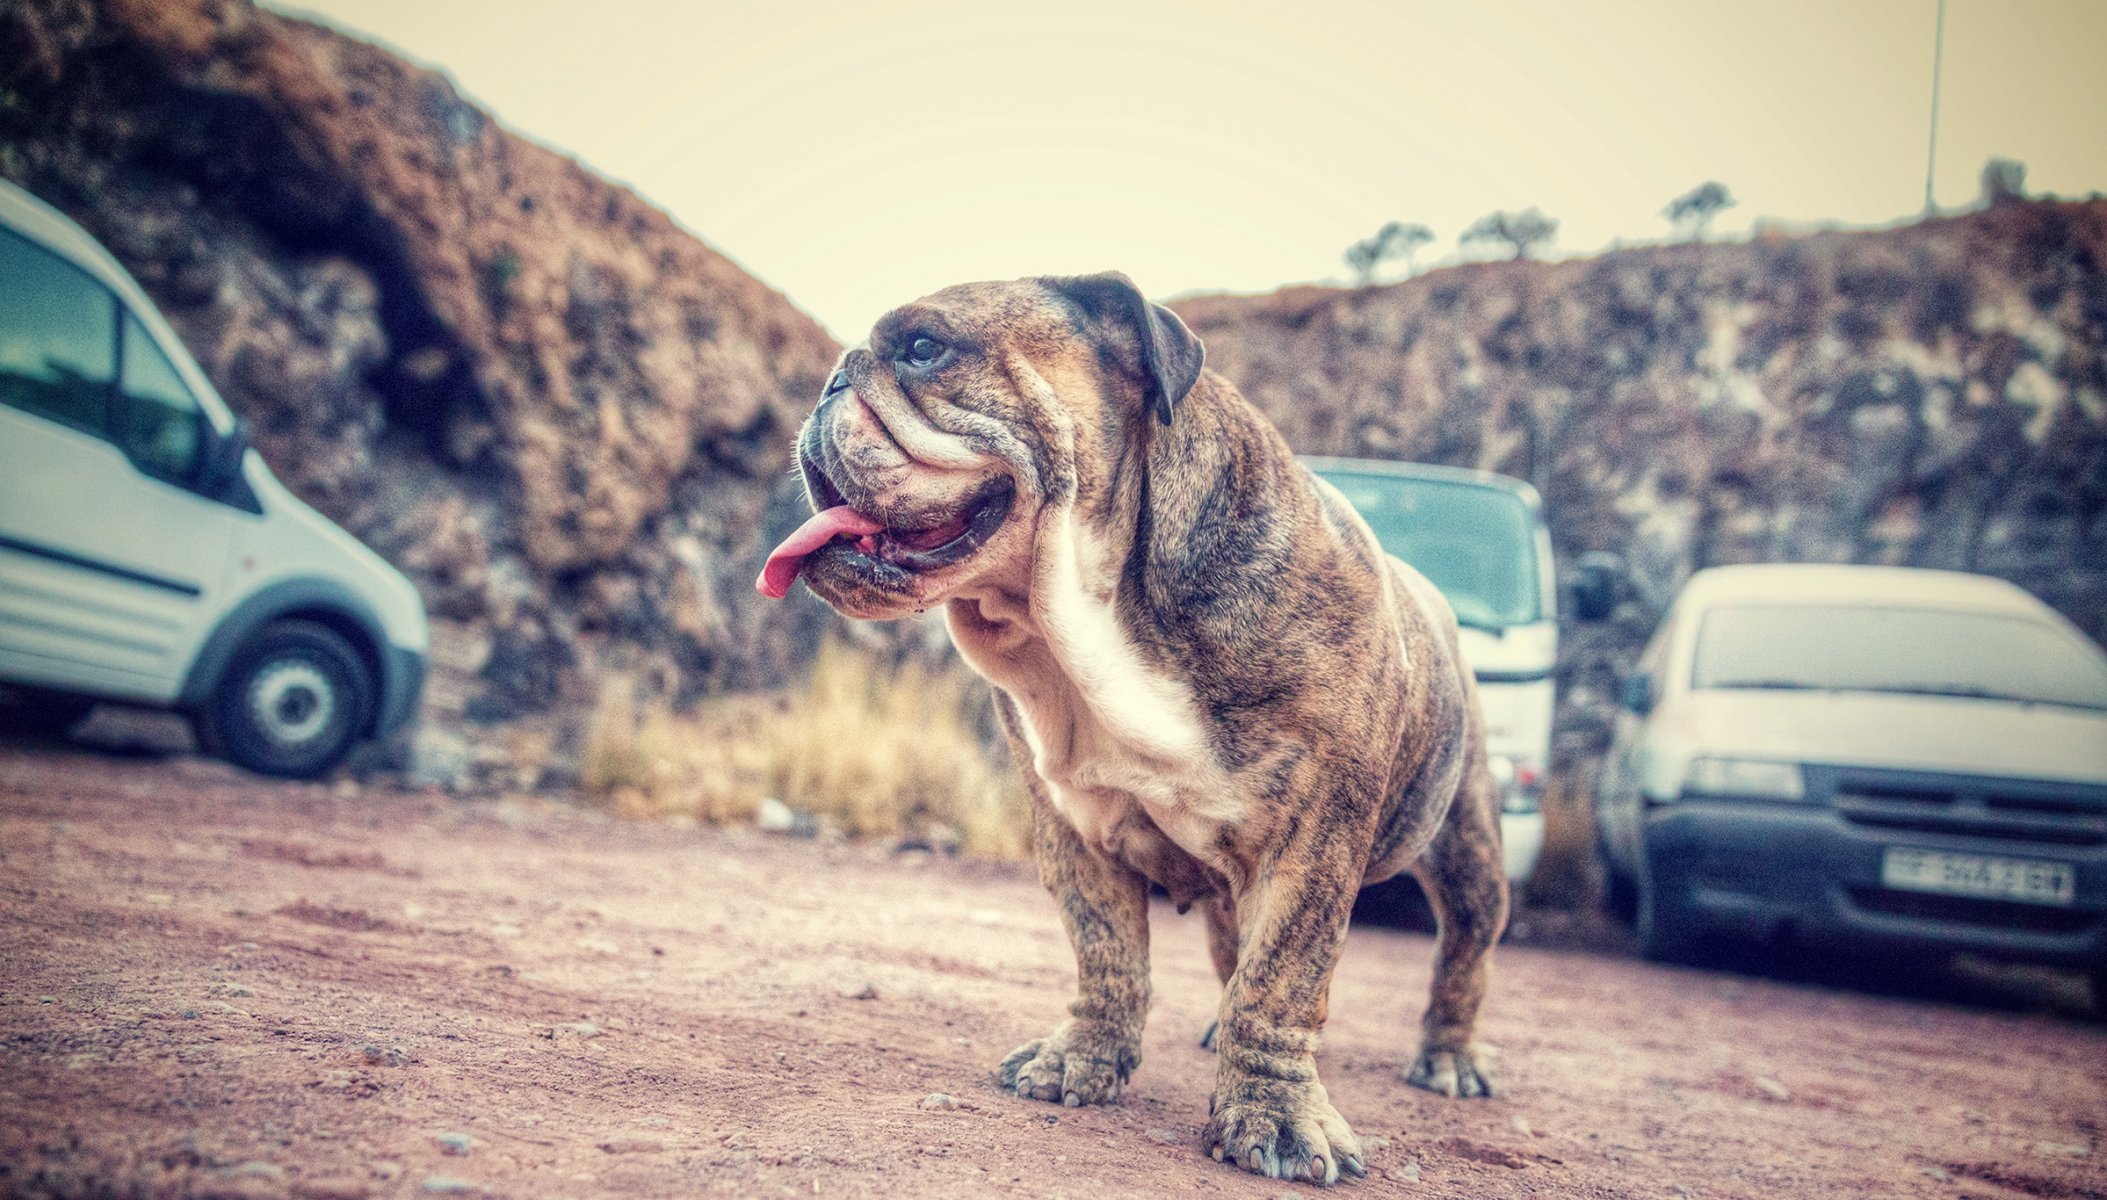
2019	879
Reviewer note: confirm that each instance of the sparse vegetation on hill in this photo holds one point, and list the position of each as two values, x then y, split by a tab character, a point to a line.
1692	212
1394	240
1520	232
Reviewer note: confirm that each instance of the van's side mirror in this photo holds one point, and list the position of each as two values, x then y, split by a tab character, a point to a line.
1596	578
1635	692
223	461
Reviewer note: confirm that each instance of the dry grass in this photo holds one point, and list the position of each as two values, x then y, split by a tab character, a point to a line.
1565	875
896	752
869	749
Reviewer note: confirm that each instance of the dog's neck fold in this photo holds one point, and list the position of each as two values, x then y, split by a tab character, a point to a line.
1055	633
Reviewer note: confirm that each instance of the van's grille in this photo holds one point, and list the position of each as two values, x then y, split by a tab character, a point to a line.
2026	812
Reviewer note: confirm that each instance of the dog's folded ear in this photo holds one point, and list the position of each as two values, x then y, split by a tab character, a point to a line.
1171	354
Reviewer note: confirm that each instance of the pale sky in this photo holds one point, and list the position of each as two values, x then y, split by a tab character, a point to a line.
859	153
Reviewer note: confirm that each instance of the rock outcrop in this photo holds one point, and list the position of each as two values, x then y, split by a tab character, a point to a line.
1932	395
560	413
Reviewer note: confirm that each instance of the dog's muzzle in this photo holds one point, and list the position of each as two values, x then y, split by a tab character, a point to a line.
883	552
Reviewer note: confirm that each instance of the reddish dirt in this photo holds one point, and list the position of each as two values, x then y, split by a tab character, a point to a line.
212	985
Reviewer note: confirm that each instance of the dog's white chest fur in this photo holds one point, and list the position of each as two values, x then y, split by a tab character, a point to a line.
1107	732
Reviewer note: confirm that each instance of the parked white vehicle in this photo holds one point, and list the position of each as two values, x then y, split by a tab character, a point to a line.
1862	754
1480	538
148	555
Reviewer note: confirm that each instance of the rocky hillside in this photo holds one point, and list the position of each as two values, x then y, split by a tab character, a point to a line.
561	414
569	420
1934	395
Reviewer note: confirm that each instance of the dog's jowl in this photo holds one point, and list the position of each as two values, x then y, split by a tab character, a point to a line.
1212	678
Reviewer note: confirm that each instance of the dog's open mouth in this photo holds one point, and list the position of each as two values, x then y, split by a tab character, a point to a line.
904	549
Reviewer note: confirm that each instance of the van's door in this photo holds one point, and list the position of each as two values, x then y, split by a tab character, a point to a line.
110	566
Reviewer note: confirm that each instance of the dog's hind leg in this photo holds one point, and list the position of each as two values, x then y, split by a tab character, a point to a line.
1105	907
1465	880
1222	942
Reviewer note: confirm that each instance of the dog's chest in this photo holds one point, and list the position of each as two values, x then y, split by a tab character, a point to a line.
1122	793
1120	746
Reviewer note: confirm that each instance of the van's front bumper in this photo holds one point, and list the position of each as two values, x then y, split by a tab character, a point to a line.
1761	870
402	690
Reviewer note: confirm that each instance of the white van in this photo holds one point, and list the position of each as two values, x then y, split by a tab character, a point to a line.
1480	538
1862	755
148	555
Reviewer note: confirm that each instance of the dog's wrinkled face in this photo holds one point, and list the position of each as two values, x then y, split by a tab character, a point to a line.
939	442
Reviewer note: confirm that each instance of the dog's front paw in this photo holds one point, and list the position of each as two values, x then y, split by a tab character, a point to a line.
1082	1062
1283	1131
1450	1073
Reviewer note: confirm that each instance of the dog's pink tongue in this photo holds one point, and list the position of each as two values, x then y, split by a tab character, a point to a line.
783	563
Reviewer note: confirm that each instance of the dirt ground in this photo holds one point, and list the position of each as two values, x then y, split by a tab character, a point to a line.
212	985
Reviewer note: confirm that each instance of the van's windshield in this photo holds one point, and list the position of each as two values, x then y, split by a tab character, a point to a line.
1476	543
1922	651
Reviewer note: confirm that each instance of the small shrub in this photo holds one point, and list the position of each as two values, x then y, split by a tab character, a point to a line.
874	751
1692	212
2004	182
615	755
1565	874
1520	231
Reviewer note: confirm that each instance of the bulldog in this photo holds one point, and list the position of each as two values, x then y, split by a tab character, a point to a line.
1212	678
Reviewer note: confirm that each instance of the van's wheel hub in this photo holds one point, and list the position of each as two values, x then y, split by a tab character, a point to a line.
291	702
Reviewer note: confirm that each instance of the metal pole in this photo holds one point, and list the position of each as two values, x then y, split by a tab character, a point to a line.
1931	156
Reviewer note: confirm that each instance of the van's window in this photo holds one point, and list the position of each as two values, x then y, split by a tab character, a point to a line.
1475	543
160	426
58	337
1920	651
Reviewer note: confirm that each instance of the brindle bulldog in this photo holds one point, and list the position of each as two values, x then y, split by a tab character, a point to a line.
1212	677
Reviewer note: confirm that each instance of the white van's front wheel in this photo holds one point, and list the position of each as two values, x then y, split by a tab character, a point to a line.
291	703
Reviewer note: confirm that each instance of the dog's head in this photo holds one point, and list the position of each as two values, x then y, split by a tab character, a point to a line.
939	443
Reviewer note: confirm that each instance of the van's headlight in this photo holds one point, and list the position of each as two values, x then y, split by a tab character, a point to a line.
1745	779
1521	783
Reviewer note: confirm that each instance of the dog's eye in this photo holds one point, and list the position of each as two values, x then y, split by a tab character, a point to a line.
922	351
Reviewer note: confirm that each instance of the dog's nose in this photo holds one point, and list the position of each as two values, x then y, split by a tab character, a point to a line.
840	383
